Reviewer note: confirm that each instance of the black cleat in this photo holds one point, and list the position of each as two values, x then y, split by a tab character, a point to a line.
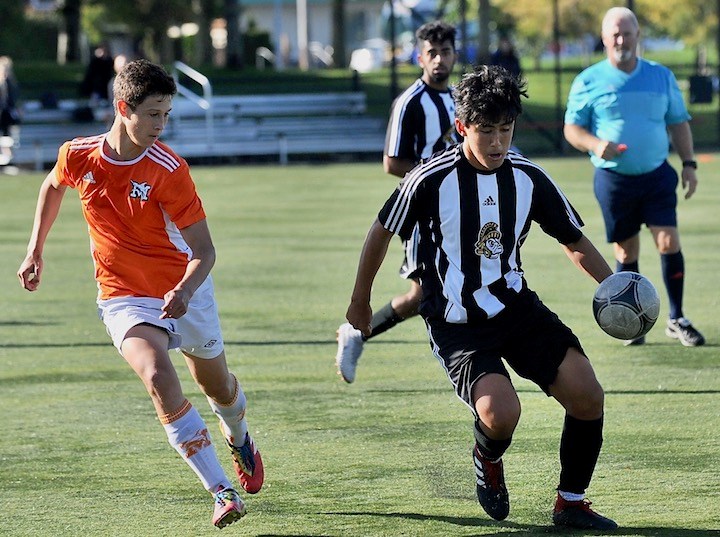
491	491
579	515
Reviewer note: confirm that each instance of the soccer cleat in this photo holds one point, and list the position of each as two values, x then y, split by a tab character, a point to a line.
579	515
248	464
229	508
683	330
350	347
633	342
491	491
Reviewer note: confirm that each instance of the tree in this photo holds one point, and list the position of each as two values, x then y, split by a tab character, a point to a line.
12	17
203	12
148	22
70	29
338	34
695	22
483	55
231	9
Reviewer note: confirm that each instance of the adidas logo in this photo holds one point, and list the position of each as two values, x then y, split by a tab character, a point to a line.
489	201
88	177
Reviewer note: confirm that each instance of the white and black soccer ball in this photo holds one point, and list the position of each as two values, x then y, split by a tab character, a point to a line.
626	305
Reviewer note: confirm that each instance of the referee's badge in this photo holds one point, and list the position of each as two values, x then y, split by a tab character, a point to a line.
488	243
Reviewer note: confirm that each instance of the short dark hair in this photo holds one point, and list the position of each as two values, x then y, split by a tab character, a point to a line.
488	95
436	32
139	79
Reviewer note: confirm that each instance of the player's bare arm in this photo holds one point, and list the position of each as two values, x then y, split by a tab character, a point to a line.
682	141
198	238
373	253
586	257
46	211
397	166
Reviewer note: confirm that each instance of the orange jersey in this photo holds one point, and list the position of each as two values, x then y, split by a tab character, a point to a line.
134	211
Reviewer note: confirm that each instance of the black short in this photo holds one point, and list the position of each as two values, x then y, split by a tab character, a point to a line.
629	201
530	337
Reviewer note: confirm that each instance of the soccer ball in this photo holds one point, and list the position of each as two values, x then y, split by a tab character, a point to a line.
626	305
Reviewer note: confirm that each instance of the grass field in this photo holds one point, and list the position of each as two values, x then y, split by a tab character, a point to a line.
83	454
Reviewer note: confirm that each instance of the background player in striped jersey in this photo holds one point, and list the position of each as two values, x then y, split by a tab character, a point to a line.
620	110
153	253
422	122
474	204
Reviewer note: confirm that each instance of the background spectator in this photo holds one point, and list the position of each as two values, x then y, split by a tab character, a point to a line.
505	56
97	75
9	113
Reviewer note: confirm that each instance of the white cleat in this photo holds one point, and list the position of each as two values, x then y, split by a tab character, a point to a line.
350	347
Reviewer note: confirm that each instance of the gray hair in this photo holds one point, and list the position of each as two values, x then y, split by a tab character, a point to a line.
619	13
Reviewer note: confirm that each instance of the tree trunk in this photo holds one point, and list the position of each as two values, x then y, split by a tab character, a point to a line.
202	10
71	29
234	57
483	54
338	14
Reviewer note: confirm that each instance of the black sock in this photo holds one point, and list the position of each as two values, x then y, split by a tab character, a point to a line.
579	451
673	271
489	448
626	267
383	319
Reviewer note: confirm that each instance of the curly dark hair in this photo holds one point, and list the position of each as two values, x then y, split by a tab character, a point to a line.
436	32
489	95
140	79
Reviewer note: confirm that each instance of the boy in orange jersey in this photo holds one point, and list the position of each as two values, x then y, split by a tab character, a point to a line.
152	253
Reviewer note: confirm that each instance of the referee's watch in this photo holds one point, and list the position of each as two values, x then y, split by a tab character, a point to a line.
690	164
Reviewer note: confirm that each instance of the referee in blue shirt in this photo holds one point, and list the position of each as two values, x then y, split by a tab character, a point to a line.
620	110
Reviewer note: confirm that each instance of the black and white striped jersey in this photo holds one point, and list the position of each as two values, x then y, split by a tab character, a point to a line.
422	122
472	225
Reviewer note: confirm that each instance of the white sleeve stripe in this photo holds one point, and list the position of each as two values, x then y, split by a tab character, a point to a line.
400	208
398	114
163	157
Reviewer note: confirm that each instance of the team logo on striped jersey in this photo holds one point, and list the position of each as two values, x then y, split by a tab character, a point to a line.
140	190
488	243
449	136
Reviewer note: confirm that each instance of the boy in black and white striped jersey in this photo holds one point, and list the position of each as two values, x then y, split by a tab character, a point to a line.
473	205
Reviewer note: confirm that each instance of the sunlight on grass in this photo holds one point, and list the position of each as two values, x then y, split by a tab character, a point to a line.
83	453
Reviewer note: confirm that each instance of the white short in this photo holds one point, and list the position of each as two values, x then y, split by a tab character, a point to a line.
196	333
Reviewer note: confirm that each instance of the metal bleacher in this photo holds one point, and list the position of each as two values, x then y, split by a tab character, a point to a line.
204	126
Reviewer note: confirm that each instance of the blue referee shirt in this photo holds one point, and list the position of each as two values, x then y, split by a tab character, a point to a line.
629	108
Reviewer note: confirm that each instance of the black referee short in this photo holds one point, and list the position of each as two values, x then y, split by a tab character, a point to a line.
530	337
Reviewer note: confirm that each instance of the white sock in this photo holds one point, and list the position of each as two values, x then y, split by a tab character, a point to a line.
232	416
571	496
188	434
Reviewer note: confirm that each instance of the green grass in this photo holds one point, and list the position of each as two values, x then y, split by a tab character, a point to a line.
83	454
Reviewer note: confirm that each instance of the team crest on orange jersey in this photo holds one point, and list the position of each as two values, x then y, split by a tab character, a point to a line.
193	446
488	243
140	190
